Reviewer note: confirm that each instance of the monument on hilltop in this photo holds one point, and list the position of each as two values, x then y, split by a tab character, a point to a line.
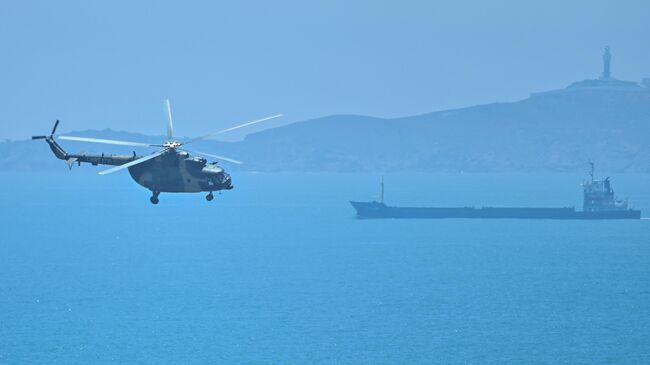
607	59
605	83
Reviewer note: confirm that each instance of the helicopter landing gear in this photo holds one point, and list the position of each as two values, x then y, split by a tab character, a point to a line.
209	197
154	198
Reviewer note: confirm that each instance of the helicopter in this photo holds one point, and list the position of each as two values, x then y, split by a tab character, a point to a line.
172	169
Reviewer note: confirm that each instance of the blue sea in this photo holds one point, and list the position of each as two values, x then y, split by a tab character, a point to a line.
278	271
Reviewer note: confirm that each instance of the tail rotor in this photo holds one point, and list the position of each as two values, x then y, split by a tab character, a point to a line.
56	125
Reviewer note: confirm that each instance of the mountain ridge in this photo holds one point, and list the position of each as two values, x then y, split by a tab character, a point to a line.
552	131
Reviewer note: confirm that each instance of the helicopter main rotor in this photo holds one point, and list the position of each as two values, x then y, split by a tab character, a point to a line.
171	144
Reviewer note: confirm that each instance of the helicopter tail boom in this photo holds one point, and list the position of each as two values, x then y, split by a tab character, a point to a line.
71	159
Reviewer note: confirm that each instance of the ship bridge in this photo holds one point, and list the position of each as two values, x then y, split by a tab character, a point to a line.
599	195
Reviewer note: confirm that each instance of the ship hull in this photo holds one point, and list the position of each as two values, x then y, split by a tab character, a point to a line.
376	210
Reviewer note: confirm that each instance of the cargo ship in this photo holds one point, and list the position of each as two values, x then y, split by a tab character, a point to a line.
599	202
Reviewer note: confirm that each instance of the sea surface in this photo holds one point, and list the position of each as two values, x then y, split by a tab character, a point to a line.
278	271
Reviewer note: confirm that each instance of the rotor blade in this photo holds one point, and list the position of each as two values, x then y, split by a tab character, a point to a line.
56	124
107	141
232	128
215	156
170	126
132	163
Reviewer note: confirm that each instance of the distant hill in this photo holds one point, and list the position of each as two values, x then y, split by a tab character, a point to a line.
553	131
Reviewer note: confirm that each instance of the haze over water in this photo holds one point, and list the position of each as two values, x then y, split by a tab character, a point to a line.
279	271
97	65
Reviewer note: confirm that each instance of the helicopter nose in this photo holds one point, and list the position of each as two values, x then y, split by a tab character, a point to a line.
227	181
217	176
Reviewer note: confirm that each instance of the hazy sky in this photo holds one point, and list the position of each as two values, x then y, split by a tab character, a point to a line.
112	65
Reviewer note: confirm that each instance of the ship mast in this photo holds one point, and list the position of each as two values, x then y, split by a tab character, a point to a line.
381	196
591	171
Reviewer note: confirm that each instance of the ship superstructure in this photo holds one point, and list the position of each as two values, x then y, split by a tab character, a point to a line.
599	195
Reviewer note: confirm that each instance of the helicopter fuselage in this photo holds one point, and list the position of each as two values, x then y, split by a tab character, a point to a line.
177	172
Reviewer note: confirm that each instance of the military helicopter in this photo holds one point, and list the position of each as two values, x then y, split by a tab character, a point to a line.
169	170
